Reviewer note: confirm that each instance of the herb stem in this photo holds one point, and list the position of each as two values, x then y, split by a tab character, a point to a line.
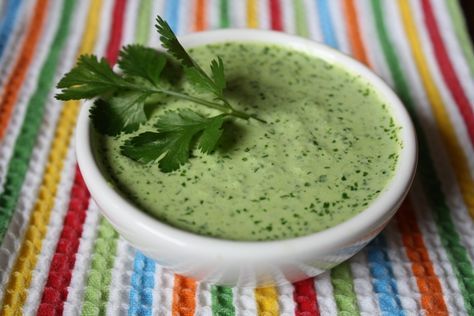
227	109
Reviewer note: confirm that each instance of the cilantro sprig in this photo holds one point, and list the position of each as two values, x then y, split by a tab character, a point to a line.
122	98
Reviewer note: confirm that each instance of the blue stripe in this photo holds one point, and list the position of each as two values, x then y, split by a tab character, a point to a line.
6	25
326	24
142	284
383	281
172	14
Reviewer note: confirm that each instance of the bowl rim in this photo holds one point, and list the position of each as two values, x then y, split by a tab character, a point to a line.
122	212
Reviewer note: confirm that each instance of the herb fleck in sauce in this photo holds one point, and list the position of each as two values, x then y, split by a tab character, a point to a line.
328	150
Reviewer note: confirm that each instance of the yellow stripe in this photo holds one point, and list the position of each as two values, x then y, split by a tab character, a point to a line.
252	12
93	24
266	298
20	278
267	301
448	134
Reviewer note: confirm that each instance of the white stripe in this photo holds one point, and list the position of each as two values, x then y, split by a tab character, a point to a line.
454	115
441	264
213	14
105	22
425	221
163	292
130	26
7	62
263	15
119	287
438	153
186	17
244	300
119	295
50	241
238	13
73	303
324	294
363	288
339	25
27	88
288	16
286	303
400	264
312	20
158	8
203	300
55	225
15	41
407	287
453	48
371	42
14	235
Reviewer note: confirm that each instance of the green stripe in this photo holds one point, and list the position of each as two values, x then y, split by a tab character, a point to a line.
344	294
300	19
143	24
224	13
450	239
222	301
221	296
25	143
460	28
96	292
341	278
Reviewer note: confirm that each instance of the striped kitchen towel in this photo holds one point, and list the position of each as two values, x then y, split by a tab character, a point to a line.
59	256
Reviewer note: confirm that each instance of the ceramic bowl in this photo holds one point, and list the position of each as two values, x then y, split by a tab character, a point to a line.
250	264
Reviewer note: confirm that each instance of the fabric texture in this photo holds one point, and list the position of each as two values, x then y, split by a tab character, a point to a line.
59	256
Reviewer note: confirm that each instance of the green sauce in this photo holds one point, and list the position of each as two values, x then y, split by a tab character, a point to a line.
328	150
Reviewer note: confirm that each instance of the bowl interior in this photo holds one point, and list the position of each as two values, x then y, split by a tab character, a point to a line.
125	216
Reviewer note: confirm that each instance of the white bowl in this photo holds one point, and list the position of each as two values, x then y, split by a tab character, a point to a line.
238	263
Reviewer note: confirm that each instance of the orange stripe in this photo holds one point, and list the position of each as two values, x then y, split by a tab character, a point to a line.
200	22
355	39
9	97
184	296
432	299
184	289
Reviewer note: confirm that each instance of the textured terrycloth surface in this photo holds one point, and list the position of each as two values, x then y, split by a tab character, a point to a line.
59	256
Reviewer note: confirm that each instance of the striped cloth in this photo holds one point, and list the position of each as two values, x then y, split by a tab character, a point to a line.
59	256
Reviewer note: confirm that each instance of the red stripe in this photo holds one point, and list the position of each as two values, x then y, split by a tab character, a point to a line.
447	69
115	40
275	15
304	296
59	277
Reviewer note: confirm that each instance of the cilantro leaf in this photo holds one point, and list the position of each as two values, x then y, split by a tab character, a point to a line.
172	144
147	76
218	76
88	79
141	61
121	113
214	83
